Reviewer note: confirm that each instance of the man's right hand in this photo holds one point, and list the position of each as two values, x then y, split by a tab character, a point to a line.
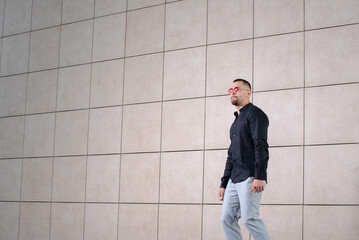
221	194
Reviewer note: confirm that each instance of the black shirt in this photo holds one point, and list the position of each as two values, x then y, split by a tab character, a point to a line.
248	152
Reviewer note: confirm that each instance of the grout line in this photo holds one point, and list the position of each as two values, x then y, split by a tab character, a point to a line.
204	122
173	100
162	94
181	99
303	153
253	87
330	27
331	85
122	12
1	54
146	7
121	135
81	20
4	17
24	129
184	203
110	14
54	141
329	144
2	33
115	59
88	123
175	151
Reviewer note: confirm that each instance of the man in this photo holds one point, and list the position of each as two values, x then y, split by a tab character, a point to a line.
245	173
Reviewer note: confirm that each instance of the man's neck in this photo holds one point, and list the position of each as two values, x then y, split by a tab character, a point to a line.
240	107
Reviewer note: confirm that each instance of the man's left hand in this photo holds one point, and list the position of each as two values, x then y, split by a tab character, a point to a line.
257	186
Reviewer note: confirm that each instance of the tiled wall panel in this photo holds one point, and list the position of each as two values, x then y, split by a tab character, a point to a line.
76	43
36	181
331	222
141	185
179	222
15	54
329	57
285	165
109	37
76	10
145	30
185	24
100	187
105	130
228	61
11	137
67	221
219	115
45	13
133	215
326	13
277	16
107	83
134	4
279	62
35	221
105	7
9	219
181	177
324	172
2	12
41	92
284	109
322	125
101	221
69	179
17	17
13	95
277	221
222	28
141	135
115	117
39	135
190	81
44	49
183	125
10	184
143	73
71	133
214	160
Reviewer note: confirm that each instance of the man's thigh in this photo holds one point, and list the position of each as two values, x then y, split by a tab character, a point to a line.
249	201
231	205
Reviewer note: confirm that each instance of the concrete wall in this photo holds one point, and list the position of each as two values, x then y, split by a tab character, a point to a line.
114	116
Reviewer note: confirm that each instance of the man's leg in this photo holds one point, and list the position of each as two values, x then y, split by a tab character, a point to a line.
250	203
231	213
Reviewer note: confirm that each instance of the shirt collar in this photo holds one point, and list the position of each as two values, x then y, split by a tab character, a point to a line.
243	109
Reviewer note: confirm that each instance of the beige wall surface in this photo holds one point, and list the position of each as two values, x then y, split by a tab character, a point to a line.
114	116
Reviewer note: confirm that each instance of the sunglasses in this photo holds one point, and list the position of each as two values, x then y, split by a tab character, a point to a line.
235	90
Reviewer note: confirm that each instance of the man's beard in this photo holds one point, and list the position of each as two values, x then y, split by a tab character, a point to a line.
234	101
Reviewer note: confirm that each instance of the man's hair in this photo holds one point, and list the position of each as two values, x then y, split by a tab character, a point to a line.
245	82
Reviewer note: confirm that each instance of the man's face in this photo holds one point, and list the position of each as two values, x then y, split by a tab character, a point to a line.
239	93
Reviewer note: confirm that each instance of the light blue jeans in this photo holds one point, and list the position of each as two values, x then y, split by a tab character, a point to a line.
240	202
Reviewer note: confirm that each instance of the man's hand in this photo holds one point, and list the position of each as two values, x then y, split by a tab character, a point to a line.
257	186
221	194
